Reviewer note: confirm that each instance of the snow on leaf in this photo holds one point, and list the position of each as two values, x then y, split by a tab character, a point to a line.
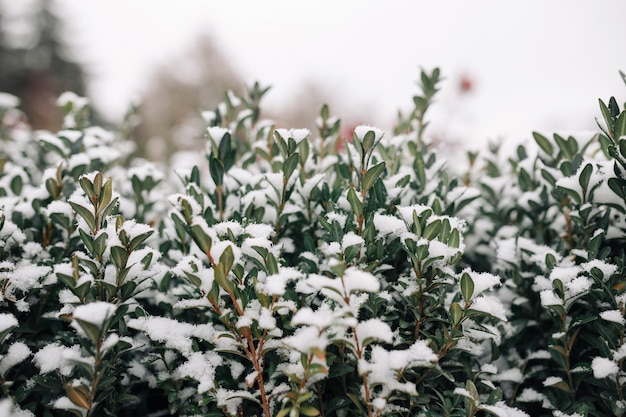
613	315
201	367
307	340
603	368
52	358
7	321
373	330
491	306
96	313
389	225
18	352
500	409
355	279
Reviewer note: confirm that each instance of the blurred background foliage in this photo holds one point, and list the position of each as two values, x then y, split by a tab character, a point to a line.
36	65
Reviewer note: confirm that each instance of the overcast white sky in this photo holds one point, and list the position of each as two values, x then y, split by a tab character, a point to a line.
536	64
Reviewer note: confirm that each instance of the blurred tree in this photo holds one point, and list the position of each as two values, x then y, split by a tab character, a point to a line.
169	113
34	64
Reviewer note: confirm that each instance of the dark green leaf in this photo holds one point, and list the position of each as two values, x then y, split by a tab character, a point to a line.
355	203
467	286
290	164
372	175
584	178
543	143
86	214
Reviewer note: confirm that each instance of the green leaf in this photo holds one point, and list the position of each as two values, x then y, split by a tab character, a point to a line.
225	147
309	411
372	175
86	214
227	258
284	412
432	229
606	114
563	146
456	313
613	108
351	252
271	264
87	187
355	203
617	186
106	193
584	178
201	238
108	210
557	284
92	331
543	143
16	184
99	244
622	144
368	141
79	395
467	286
138	240
290	164
216	169
455	239
550	261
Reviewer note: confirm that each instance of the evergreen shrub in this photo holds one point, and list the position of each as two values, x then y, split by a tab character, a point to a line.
294	273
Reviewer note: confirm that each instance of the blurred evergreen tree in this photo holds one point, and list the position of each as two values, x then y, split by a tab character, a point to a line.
34	65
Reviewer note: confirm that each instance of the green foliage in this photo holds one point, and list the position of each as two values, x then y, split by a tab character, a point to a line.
291	273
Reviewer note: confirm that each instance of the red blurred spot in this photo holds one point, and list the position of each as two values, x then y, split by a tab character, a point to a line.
466	84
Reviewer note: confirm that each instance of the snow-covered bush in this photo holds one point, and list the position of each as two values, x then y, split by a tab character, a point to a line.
289	272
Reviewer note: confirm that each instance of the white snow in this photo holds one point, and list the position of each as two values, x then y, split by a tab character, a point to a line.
307	340
174	334
356	280
406	212
373	329
9	409
552	380
18	351
338	217
96	313
52	358
351	239
383	366
201	367
361	131
389	225
603	367
60	207
491	306
559	413
501	409
483	281
549	298
134	229
7	320
613	315
277	284
217	133
8	101
27	275
607	269
69	97
259	230
512	375
529	395
297	135
221	229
